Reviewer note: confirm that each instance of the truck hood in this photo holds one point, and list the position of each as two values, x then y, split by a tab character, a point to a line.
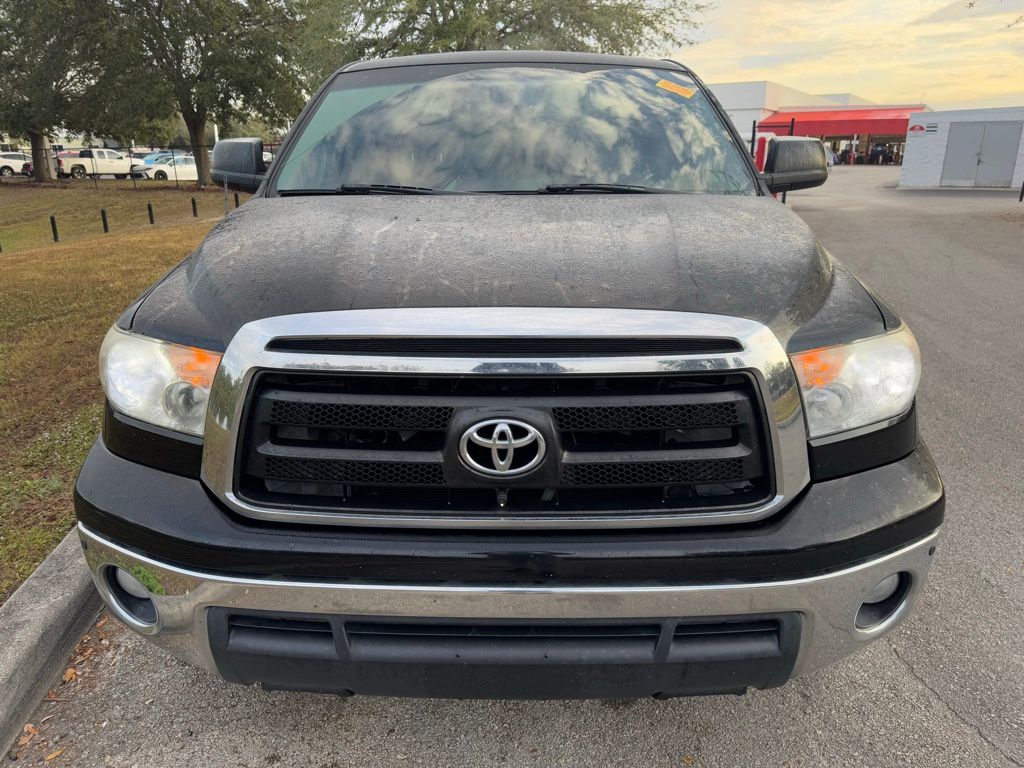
742	256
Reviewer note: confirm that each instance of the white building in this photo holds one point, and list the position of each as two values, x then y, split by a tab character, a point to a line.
759	100
965	148
842	120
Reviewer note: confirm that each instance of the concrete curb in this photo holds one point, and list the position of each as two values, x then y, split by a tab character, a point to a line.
39	625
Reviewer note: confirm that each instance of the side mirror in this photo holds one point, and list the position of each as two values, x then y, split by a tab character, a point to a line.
238	163
795	162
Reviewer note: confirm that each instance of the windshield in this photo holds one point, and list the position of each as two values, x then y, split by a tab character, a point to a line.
523	128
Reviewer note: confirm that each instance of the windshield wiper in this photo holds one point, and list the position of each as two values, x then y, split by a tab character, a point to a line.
363	189
620	189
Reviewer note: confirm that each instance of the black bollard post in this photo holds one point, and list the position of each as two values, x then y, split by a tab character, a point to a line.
149	207
236	199
103	217
195	211
53	228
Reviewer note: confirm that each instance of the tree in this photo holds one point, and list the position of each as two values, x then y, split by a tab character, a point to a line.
379	28
63	65
220	59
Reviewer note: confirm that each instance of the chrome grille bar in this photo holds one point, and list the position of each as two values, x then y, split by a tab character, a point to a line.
760	355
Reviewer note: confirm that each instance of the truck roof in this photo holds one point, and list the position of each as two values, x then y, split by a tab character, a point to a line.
516	57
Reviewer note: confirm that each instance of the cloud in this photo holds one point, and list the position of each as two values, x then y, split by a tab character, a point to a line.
967	10
887	52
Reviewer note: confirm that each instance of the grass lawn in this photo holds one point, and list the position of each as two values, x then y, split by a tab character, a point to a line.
25	208
56	303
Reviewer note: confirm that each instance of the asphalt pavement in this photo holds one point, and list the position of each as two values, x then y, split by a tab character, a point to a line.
945	689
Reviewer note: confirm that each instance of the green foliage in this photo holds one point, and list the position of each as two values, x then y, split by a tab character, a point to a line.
47	71
337	31
251	127
66	64
220	59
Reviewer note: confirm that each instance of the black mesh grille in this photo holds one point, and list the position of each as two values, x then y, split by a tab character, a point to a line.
360	416
654	473
353	472
372	444
644	417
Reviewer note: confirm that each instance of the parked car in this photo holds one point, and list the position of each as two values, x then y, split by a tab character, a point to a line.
11	163
58	162
511	381
95	162
178	168
151	157
28	168
159	157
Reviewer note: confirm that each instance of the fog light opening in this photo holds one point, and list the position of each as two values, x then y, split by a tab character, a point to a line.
130	596
884	602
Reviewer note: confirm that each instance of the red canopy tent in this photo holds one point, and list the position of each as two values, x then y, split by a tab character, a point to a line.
861	121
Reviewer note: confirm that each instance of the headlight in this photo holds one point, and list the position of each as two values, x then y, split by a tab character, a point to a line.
857	384
156	381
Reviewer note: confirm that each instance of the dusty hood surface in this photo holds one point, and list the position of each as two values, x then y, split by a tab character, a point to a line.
743	256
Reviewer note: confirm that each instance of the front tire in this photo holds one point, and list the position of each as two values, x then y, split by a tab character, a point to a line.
6	171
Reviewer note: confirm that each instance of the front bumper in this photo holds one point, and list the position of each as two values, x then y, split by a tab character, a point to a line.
187	605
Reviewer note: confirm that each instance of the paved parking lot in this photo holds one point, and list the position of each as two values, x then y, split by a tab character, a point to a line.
946	689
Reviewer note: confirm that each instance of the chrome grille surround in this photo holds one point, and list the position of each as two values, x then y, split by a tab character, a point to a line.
762	357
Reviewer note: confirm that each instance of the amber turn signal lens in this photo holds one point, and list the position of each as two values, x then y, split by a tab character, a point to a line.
194	365
858	384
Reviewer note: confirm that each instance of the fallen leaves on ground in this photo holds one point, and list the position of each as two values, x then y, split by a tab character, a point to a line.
28	733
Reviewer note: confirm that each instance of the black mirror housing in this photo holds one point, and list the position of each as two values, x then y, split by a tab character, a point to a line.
795	162
238	163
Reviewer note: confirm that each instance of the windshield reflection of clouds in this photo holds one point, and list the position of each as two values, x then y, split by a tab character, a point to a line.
522	128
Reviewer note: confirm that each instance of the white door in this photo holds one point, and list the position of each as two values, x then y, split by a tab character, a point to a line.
981	154
999	154
963	149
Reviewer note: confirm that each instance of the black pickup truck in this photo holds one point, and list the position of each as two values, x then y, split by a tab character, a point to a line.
513	380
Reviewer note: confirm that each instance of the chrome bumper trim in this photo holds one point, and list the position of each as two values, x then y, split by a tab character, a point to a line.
762	357
828	603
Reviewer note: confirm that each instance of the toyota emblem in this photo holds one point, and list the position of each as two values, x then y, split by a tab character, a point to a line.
502	447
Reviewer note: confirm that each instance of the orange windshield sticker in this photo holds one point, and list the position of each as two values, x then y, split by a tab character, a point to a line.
676	88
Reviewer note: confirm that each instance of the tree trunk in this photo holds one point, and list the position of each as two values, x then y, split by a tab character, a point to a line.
42	163
197	137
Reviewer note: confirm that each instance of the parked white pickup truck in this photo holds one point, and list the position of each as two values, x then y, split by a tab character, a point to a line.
97	162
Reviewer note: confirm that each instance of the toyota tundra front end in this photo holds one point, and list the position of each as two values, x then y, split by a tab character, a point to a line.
511	381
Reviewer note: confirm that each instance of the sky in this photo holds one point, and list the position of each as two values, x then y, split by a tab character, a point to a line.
948	55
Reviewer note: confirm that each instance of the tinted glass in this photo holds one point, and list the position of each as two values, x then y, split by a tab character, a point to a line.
464	128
